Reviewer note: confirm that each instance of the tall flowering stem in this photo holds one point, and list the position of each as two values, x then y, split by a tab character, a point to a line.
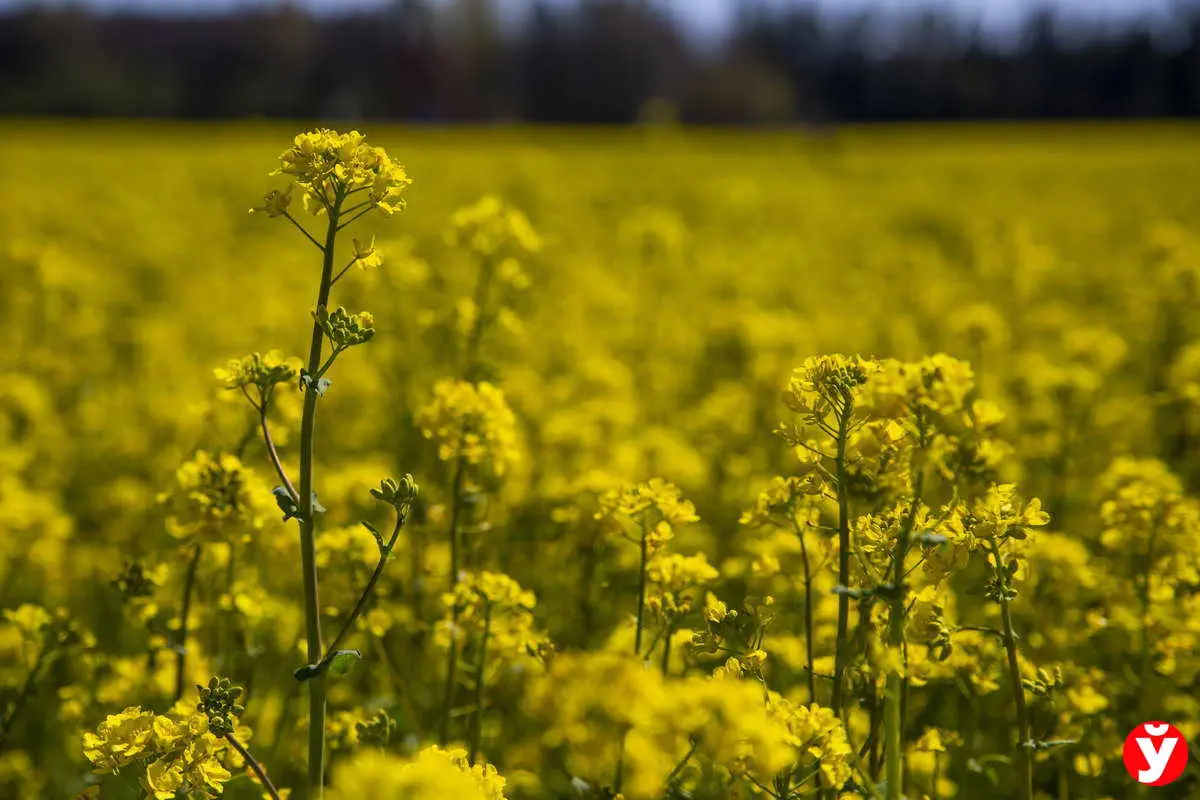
189	582
326	169
1003	594
822	393
480	685
493	233
809	622
455	574
843	499
641	604
476	430
252	762
308	549
893	698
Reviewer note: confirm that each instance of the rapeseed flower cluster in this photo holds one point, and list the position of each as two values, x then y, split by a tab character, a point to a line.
472	422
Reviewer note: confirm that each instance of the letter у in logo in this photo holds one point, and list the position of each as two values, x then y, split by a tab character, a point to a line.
1155	753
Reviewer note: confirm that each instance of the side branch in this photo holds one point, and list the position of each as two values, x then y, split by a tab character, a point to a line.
259	772
385	551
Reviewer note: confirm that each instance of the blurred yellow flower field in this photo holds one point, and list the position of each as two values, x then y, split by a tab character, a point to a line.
648	463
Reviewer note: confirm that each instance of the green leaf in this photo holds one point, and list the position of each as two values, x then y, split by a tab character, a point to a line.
343	662
929	538
306	672
854	594
286	504
320	385
374	532
316	505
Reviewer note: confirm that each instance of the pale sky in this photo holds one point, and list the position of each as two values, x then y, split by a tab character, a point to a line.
709	16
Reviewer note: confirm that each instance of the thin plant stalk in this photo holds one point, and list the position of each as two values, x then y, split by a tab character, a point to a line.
480	678
308	558
893	716
843	499
637	640
365	597
1024	753
641	607
257	768
455	556
44	656
1144	596
809	656
185	609
666	654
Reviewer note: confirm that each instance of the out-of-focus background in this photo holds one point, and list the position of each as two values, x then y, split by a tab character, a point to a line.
602	61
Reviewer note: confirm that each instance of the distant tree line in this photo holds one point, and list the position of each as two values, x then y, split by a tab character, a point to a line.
596	61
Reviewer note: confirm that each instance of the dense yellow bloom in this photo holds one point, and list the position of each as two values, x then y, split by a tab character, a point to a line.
216	495
938	384
29	619
663	499
589	701
261	371
325	163
177	754
825	384
473	422
818	732
120	739
674	573
1002	512
435	774
498	603
493	228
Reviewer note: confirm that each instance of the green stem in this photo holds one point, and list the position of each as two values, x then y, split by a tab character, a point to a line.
350	221
273	454
365	597
1024	752
808	612
1144	667
43	657
401	686
641	607
843	499
666	654
476	337
682	763
874	718
259	772
304	230
637	644
452	656
343	271
189	583
480	665
308	549
893	717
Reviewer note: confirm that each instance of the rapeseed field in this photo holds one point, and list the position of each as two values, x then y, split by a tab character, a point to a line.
534	463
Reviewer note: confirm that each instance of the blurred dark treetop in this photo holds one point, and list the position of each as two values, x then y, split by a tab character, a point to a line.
602	61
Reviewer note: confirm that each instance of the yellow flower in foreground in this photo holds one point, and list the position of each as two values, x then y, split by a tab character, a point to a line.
120	739
435	774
